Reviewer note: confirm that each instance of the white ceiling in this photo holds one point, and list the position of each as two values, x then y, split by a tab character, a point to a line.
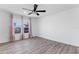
50	8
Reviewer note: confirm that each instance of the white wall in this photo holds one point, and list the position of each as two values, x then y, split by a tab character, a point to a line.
4	26
34	22
61	27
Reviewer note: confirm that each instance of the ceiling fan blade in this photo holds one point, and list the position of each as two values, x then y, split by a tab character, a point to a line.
27	9
41	11
35	7
37	14
30	13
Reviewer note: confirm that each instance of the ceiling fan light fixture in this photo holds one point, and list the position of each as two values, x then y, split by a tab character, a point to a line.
24	12
34	11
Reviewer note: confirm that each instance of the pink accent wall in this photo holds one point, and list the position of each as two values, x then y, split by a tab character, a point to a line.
30	31
11	29
22	27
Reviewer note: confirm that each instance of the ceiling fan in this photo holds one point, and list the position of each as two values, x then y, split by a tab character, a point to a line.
34	10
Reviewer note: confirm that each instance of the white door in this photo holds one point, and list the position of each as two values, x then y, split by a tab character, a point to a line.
17	23
25	28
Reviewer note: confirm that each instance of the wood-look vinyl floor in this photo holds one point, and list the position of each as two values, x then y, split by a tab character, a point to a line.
37	45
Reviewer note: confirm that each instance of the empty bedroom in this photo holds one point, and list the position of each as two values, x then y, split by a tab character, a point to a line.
39	28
